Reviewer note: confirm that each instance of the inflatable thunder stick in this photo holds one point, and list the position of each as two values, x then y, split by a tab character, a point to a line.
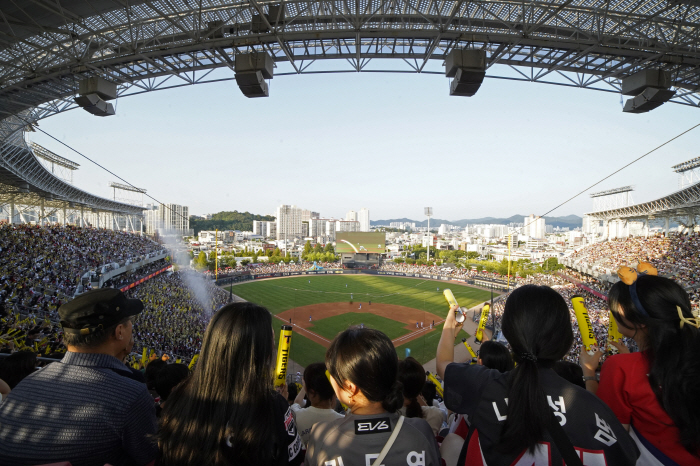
613	333
436	382
459	314
482	322
469	348
283	355
584	324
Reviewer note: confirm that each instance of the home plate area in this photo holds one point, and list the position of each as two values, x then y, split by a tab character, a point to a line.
321	322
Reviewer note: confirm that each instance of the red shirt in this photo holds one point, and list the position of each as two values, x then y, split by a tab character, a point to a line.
625	388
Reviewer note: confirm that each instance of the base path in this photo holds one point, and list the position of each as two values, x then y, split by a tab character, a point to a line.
406	315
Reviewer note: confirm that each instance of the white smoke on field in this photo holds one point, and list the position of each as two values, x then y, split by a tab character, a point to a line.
195	281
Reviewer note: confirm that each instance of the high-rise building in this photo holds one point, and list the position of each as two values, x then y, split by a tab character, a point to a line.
265	228
307	215
317	227
288	222
534	226
351	216
330	229
345	225
167	219
363	218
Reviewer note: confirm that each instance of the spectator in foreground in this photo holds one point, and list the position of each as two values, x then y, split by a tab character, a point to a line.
227	412
167	378
17	366
540	406
91	411
363	368
412	377
495	355
654	393
320	393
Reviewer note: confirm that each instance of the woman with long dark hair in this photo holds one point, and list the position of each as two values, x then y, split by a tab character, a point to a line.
226	412
530	414
363	366
655	392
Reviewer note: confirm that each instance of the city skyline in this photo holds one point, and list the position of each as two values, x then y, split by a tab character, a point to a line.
514	148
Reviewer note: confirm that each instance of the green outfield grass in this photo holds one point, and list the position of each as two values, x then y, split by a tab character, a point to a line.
331	326
279	295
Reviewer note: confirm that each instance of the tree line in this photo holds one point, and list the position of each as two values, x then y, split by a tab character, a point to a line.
222	221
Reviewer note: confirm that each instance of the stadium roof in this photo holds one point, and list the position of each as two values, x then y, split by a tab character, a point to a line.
681	203
47	47
24	180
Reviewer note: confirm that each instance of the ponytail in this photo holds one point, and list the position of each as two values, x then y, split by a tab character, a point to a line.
394	399
412	376
536	323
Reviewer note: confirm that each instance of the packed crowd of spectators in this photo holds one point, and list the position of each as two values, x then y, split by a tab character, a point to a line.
42	266
608	256
460	273
675	256
597	309
265	268
173	319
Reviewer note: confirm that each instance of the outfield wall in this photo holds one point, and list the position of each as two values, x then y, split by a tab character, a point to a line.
483	282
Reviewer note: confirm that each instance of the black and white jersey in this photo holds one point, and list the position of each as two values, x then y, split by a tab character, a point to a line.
482	395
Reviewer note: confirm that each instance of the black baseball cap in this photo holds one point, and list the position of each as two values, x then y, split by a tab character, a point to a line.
95	309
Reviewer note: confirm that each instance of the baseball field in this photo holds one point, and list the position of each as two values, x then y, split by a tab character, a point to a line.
410	311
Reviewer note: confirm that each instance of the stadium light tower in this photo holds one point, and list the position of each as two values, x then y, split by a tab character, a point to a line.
429	213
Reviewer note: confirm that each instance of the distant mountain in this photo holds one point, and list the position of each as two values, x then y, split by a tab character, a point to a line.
571	221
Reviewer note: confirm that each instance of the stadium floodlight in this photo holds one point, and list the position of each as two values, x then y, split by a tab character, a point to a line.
429	213
609	192
685	166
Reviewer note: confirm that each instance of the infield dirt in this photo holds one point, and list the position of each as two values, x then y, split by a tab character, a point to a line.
409	316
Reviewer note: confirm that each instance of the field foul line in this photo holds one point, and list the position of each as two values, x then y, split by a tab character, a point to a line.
303	330
408	336
416	333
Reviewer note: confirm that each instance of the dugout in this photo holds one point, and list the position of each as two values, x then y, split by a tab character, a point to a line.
360	249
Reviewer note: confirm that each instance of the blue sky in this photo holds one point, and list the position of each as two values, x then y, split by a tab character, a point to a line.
393	143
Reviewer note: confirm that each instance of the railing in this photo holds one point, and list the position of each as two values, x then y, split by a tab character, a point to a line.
97	280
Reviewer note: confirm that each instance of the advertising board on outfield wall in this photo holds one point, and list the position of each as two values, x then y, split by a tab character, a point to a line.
495	284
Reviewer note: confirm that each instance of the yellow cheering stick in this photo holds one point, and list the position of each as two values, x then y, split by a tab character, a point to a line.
482	322
450	297
283	355
584	324
469	348
613	332
193	361
436	382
